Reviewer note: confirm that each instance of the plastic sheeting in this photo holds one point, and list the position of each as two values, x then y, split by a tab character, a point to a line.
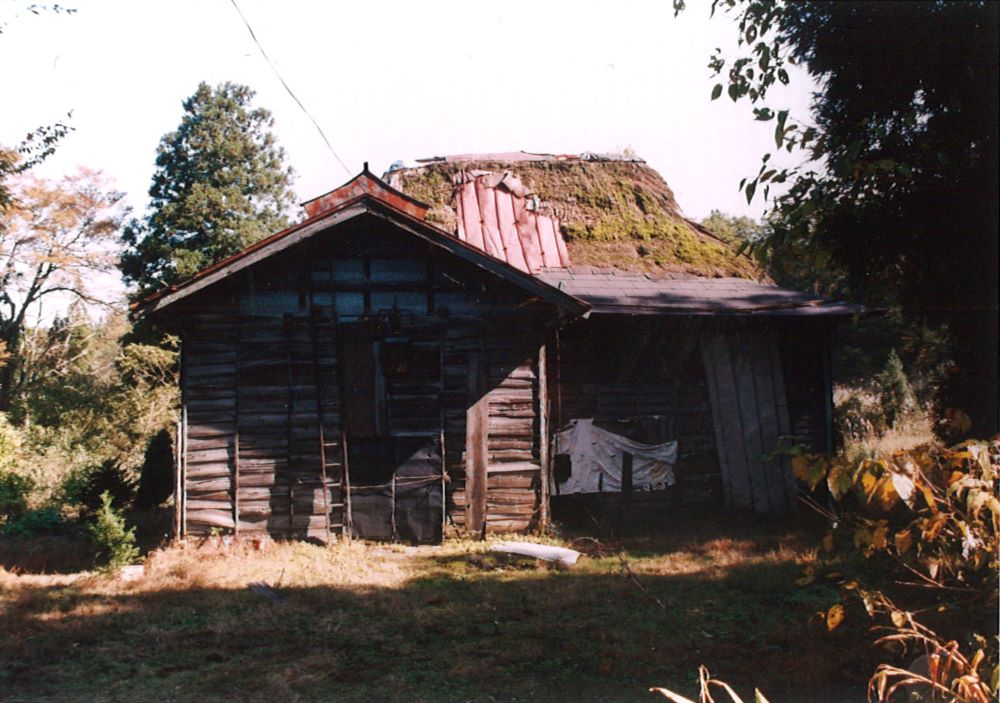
596	457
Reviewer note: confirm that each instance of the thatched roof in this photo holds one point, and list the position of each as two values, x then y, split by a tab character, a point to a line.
615	211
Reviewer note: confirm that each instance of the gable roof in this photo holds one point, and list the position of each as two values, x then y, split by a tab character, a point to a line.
363	194
610	291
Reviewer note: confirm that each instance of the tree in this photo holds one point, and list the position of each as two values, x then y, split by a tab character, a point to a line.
899	179
736	230
220	185
55	235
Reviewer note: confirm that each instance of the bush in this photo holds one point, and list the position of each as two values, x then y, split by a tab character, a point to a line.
156	482
32	523
114	544
898	400
14	492
86	487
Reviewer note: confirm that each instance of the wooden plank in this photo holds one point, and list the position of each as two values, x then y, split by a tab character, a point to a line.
742	348
767	413
784	424
476	436
727	422
543	438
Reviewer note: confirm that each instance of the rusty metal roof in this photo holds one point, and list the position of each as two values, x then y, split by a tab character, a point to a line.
497	215
610	291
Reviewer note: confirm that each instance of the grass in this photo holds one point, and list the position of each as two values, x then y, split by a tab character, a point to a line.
455	622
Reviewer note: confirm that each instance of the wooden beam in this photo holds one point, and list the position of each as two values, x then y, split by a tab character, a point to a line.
476	435
543	438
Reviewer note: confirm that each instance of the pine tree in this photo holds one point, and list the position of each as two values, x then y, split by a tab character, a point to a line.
220	185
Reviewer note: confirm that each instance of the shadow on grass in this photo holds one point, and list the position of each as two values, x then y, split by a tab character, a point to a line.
469	627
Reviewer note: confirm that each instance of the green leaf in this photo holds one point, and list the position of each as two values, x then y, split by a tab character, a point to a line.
716	91
783	76
751	188
734	92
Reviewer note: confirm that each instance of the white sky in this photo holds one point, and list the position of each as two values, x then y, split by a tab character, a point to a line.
392	80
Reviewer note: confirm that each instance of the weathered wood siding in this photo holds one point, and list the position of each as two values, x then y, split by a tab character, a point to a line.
269	394
750	415
648	373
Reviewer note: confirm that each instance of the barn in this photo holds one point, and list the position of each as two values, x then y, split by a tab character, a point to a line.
472	343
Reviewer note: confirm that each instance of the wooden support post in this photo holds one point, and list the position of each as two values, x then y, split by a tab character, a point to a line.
543	440
318	383
287	323
477	422
178	482
235	485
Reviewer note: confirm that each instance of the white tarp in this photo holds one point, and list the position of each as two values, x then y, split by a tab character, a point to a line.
596	457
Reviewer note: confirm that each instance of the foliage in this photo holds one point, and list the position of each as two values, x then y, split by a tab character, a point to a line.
898	181
86	401
898	401
114	544
705	684
14	493
220	185
32	523
737	230
156	481
86	487
55	236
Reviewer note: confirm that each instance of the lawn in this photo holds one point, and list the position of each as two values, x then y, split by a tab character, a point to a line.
389	622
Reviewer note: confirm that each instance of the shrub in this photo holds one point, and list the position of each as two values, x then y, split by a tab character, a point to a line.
32	523
114	543
156	482
898	400
86	487
14	492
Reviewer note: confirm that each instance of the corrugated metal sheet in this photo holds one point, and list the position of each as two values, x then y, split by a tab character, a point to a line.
365	184
609	291
497	214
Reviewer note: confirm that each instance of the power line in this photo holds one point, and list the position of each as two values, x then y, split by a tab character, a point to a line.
297	101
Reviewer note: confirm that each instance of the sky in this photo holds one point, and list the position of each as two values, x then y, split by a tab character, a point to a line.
392	80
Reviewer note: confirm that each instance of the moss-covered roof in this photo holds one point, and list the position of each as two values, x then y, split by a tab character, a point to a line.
614	213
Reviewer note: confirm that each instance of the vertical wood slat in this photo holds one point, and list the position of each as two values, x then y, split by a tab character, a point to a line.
178	477
543	439
289	435
784	421
318	382
476	450
726	422
235	485
184	450
767	414
742	349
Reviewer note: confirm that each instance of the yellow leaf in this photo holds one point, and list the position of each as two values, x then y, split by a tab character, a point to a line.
880	536
808	576
887	495
834	616
834	575
933	526
810	468
929	497
898	618
903	541
840	478
828	542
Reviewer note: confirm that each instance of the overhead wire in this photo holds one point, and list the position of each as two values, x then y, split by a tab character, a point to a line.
287	88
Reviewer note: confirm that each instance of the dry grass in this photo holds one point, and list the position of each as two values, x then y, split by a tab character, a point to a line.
361	622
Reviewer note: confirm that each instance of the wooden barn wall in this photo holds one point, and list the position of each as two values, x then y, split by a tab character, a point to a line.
647	371
750	414
262	383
